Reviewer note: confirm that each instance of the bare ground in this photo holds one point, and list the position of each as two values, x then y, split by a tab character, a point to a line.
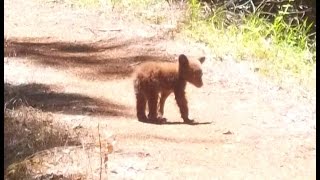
75	65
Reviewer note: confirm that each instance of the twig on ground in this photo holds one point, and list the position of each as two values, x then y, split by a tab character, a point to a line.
100	152
104	30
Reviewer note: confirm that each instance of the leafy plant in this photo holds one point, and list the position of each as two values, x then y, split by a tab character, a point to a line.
280	48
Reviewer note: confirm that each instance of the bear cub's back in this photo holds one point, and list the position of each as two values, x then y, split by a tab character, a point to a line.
157	74
157	70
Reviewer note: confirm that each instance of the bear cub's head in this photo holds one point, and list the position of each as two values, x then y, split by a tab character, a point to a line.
190	70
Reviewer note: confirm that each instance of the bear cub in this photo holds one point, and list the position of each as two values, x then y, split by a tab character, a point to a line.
154	80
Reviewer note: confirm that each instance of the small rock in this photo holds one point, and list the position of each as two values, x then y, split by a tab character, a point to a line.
228	132
114	171
77	127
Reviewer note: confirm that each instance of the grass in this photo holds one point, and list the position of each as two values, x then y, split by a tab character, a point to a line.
28	131
278	50
34	145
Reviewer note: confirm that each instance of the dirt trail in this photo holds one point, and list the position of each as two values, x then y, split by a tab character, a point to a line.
87	67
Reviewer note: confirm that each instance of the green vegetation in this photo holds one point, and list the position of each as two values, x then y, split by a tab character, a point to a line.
279	49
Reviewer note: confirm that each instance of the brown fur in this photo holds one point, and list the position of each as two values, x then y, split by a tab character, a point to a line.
154	78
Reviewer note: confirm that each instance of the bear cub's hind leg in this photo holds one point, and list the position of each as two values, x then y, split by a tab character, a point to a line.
153	111
141	102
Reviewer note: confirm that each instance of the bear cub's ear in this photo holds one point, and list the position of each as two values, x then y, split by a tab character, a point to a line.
183	60
202	59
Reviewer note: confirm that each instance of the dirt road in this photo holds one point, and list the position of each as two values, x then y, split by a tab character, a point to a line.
248	128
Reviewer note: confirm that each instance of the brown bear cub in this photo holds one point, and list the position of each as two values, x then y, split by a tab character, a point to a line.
154	78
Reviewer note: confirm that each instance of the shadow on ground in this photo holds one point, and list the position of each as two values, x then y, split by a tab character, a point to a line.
177	123
103	60
40	96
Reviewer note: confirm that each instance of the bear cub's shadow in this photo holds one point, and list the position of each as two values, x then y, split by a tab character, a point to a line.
176	123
